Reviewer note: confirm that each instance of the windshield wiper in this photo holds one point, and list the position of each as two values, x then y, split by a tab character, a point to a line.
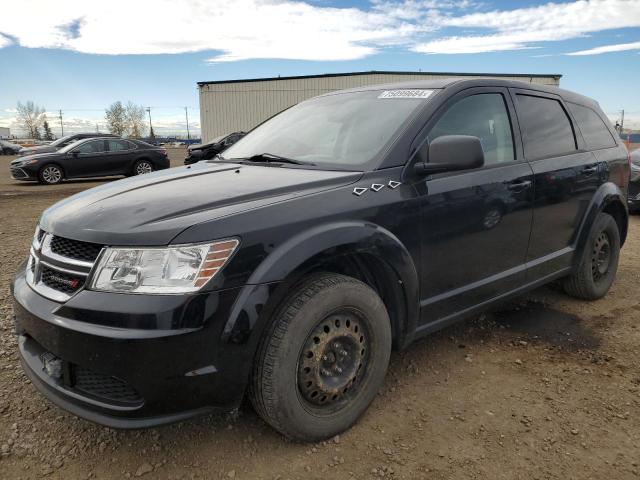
270	157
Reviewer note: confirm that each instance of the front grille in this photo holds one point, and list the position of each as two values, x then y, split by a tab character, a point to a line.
75	249
104	387
18	173
63	282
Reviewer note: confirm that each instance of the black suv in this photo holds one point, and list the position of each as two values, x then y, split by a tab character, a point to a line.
207	151
288	269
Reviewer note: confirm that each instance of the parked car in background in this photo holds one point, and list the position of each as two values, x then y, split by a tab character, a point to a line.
634	182
207	151
92	157
8	148
288	268
62	142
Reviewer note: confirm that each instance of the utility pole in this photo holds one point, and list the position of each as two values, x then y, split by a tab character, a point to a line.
186	114
150	126
622	121
61	126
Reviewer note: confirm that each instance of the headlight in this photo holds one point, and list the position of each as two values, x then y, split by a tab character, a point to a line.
178	269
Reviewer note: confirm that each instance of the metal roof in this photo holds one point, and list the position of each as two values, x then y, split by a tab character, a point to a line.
385	72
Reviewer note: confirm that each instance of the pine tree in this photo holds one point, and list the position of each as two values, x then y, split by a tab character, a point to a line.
36	133
48	135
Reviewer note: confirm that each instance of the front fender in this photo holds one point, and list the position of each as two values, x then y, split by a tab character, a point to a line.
333	239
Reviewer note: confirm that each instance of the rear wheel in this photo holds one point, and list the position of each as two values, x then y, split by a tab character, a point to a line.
142	166
50	174
599	263
323	359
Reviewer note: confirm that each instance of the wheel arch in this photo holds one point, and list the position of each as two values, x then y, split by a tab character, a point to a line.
57	164
361	250
609	199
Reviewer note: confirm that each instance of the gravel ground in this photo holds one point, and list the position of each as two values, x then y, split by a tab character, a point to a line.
546	387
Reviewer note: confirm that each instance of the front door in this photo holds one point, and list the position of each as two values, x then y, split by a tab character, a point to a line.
475	224
86	159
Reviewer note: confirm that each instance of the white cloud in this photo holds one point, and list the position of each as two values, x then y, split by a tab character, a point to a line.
295	29
527	27
621	47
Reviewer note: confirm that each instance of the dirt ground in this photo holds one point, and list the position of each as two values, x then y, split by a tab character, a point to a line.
546	387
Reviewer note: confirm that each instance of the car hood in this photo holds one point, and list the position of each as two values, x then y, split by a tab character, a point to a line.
152	209
37	156
36	150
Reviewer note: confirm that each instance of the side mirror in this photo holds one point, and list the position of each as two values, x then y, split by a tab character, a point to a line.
450	153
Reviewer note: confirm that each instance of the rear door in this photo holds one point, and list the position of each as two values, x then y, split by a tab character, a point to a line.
475	224
566	175
117	159
86	159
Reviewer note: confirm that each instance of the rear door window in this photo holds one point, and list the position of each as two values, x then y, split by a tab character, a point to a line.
118	145
594	131
94	146
546	127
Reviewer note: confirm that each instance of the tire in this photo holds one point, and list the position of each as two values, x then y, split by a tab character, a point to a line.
50	174
142	166
331	336
599	262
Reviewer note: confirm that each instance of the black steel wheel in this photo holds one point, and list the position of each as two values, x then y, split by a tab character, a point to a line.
599	264
323	358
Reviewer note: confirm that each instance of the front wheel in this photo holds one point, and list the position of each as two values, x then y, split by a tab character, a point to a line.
323	359
50	174
599	263
142	166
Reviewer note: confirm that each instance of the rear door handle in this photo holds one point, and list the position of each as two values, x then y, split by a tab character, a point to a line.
590	170
519	185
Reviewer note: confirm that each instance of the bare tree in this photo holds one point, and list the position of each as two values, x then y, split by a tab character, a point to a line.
30	118
135	120
116	118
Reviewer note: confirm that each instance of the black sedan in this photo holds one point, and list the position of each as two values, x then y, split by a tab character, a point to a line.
207	151
94	157
62	142
8	148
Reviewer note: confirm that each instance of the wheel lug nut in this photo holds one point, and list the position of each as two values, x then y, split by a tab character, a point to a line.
336	345
326	372
343	353
338	369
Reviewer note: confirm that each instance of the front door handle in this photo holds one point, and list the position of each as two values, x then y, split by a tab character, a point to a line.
519	185
589	170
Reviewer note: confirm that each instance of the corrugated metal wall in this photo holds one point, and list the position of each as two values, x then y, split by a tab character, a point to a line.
234	106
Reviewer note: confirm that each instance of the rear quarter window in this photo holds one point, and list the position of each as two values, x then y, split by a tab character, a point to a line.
594	131
546	126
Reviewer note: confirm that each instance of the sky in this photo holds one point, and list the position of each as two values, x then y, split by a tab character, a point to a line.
79	56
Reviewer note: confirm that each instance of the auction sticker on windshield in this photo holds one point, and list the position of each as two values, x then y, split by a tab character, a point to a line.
405	94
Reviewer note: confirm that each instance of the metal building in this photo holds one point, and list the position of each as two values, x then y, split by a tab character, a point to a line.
232	105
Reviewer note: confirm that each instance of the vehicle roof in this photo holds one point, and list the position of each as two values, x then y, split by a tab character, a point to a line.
461	83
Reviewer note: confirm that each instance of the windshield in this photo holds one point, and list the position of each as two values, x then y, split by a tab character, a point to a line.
343	131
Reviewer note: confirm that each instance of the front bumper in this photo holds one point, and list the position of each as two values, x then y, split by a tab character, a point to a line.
165	353
21	173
